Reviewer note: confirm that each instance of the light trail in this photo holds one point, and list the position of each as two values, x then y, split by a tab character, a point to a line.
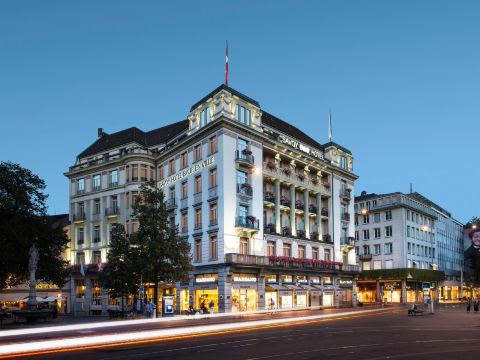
111	340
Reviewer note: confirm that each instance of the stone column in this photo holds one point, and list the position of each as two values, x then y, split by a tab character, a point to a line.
403	300
261	292
378	295
292	210
306	214
278	223
319	216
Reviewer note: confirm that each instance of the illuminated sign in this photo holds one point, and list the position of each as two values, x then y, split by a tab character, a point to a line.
299	146
244	279
189	171
205	279
315	280
345	282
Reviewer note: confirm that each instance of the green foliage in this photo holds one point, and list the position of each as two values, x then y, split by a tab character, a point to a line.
391	274
120	276
23	221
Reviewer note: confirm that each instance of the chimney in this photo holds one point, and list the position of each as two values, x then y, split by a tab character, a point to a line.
100	132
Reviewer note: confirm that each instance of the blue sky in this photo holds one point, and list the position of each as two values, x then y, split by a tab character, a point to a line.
402	79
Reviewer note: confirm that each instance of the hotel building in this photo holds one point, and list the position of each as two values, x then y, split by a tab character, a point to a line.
265	207
408	247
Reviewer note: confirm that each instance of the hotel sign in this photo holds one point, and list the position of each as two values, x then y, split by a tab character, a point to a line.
345	283
200	280
299	146
244	279
186	172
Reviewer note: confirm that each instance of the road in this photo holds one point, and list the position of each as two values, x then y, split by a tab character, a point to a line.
450	333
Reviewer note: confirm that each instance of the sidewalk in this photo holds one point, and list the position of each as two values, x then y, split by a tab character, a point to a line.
64	337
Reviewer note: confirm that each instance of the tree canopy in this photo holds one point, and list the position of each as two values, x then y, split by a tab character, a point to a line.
23	221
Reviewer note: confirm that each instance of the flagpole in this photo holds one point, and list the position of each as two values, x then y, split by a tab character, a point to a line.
226	62
330	125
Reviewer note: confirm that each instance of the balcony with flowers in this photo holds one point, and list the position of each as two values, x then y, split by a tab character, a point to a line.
324	212
245	157
286	231
269	197
299	205
301	233
284	201
270	228
247	224
244	189
312	209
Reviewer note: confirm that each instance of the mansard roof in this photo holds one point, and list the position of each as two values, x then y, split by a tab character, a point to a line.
231	91
134	134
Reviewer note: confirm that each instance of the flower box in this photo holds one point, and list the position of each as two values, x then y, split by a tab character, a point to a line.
286	230
299	203
312	208
287	171
251	218
247	152
271	165
246	186
301	233
326	184
271	227
301	176
315	181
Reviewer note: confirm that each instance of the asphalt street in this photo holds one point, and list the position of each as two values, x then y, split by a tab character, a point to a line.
448	334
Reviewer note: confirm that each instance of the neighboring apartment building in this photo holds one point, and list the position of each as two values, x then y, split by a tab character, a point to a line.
265	207
406	231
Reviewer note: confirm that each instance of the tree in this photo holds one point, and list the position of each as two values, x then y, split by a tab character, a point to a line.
164	255
23	221
472	254
119	275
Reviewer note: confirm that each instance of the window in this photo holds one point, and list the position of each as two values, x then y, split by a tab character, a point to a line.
96	233
114	204
134	172
144	172
96	292
377	264
184	160
388	215
205	116
161	174
366	265
134	197
212	145
301	251
198	250
80	186
114	178
171	167
97	183
242	145
184	222
242	177
244	245
408	214
357	237
388	264
377	249
408	230
376	217
96	257
80	258
326	255
197	153
213	214
315	253
270	248
80	288
198	184
80	238
366	219
243	212
356	218
213	247
409	248
377	233
96	206
213	178
343	162
152	173
366	250
198	218
388	248
388	231
242	115
287	249
366	234
184	190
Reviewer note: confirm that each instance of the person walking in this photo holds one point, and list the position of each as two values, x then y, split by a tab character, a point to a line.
55	309
151	307
469	305
212	306
476	305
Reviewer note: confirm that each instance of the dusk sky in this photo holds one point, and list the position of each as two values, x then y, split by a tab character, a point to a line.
402	79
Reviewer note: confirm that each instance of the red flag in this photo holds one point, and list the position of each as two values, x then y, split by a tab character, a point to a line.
226	64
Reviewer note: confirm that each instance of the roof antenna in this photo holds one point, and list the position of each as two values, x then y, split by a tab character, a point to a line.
330	130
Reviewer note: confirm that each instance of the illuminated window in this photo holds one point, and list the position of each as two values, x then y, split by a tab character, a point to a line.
271	248
80	288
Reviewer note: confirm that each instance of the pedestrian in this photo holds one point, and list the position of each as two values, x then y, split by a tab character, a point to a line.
212	306
151	307
55	309
469	305
272	304
203	307
476	305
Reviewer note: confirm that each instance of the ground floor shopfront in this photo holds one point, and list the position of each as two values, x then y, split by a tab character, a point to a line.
396	291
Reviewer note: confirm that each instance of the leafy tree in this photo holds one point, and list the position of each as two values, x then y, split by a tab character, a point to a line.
164	255
23	221
120	275
472	255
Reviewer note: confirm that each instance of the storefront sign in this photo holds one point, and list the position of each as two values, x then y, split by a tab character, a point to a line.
186	172
315	280
327	280
345	283
244	279
205	280
299	146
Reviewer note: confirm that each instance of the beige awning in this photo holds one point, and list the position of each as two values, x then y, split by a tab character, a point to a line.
11	297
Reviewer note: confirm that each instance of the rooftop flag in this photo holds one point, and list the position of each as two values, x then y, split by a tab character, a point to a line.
330	126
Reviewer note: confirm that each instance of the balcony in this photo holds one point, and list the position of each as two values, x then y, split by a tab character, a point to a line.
347	241
286	174
327	238
346	194
314	235
270	229
284	201
245	157
112	211
301	234
300	205
365	257
244	189
79	217
283	262
345	217
312	209
324	212
247	223
113	184
269	197
171	204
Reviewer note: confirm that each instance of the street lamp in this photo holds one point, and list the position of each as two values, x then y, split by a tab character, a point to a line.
364	212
